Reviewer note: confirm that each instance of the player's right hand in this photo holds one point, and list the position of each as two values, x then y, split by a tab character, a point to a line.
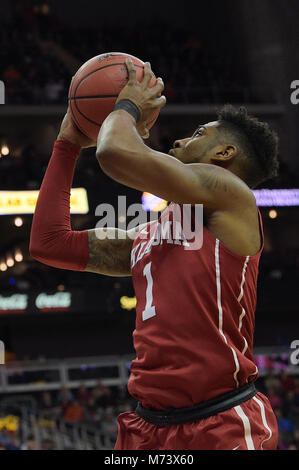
70	132
147	99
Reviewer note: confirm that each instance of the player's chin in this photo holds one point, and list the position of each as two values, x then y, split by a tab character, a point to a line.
174	153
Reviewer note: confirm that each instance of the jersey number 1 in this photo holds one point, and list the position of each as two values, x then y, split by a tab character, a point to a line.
150	309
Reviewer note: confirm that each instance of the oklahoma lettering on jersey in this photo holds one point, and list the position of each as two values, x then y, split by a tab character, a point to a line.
195	318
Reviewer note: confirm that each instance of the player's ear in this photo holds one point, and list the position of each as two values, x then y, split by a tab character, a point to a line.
224	153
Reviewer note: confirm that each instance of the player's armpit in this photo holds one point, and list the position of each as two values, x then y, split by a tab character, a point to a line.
110	251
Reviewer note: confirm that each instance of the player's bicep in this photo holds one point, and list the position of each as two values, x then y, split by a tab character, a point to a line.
110	251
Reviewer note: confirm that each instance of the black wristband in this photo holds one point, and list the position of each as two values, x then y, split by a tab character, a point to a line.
130	107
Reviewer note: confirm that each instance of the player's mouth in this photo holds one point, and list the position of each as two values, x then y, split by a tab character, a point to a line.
171	152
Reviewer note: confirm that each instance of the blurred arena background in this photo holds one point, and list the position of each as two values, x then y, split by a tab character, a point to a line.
67	335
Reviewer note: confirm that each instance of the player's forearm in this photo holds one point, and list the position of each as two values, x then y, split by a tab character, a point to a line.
122	153
118	137
52	241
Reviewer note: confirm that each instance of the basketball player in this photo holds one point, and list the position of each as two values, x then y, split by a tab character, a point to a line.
194	373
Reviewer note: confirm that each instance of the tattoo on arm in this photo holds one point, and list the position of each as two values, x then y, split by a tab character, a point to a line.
109	256
223	185
210	179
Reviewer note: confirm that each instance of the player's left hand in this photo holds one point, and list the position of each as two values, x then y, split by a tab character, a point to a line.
70	132
147	99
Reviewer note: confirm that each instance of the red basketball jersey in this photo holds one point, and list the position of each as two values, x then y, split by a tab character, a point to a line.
195	318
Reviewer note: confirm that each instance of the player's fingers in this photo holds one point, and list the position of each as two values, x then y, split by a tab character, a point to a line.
160	102
158	88
147	74
131	69
144	133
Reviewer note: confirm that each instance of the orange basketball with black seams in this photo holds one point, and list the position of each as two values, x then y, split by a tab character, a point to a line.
95	87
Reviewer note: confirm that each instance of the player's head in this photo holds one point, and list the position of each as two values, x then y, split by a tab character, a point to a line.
236	141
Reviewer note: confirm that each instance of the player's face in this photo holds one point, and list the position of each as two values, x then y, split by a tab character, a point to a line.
198	147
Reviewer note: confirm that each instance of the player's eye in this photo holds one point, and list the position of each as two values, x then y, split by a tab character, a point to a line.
197	133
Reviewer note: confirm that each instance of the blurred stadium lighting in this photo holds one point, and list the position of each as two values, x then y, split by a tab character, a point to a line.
273	214
10	261
18	256
3	266
18	221
4	150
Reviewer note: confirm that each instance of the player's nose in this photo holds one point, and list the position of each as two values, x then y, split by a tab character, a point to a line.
180	143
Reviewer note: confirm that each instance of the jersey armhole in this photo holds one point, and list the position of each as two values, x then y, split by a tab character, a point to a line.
232	253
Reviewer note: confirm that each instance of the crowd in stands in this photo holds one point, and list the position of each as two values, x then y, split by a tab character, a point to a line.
99	407
283	393
39	55
95	407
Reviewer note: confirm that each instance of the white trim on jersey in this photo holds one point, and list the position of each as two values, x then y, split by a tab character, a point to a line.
243	312
253	373
237	367
220	310
261	405
247	428
218	285
243	278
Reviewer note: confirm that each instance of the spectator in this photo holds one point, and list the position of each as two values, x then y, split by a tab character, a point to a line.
281	443
296	437
296	396
109	424
285	426
74	412
11	73
12	444
292	446
64	396
6	438
49	408
291	403
47	444
92	413
287	382
30	444
83	394
288	404
272	382
274	398
101	394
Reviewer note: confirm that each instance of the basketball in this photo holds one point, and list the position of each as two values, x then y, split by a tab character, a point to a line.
95	87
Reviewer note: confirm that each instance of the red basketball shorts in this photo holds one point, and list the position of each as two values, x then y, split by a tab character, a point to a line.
249	426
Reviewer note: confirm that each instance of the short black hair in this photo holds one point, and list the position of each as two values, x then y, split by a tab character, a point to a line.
257	141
